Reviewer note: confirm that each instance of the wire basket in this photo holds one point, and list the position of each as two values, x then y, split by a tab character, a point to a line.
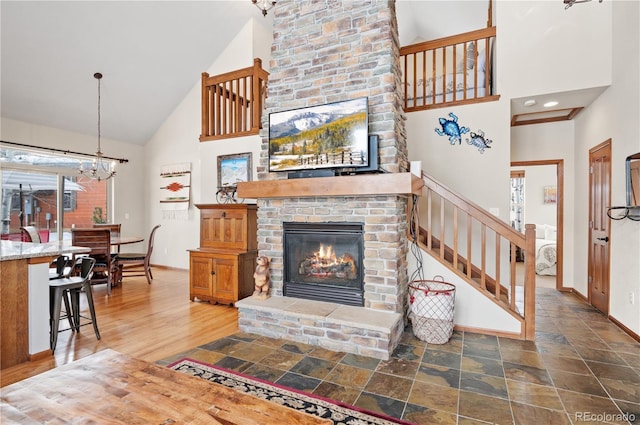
432	305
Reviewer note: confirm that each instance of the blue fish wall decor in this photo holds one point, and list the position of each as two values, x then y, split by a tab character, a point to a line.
451	129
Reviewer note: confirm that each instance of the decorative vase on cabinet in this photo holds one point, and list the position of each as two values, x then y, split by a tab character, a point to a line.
221	269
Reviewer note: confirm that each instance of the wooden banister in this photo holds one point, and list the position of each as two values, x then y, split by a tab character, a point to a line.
474	210
488	239
232	102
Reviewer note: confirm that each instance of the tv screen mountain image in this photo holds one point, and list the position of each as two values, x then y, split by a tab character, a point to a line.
333	135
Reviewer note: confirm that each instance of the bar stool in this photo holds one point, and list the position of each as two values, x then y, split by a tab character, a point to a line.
60	268
70	287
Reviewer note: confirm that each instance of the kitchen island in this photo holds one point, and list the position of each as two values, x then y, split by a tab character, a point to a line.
24	298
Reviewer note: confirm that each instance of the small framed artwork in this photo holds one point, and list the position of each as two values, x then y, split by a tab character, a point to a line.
550	194
233	169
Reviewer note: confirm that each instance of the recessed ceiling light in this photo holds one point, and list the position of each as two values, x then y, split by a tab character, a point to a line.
529	102
550	104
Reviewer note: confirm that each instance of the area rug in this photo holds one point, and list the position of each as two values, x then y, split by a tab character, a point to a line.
339	413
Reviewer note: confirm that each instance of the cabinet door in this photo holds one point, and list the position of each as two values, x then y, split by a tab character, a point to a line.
201	276
225	229
226	279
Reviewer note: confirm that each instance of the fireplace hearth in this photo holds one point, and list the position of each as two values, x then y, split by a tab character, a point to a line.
323	262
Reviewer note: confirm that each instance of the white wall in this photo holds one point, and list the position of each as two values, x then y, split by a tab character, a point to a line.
543	48
128	185
177	141
613	115
538	178
481	177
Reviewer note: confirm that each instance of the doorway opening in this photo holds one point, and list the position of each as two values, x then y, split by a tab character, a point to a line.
545	202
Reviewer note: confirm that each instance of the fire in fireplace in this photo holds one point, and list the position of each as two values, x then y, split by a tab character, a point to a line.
323	261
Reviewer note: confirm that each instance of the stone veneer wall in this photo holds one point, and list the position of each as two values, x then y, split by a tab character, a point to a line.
327	51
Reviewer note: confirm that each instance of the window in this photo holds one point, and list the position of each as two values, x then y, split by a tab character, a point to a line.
69	197
44	190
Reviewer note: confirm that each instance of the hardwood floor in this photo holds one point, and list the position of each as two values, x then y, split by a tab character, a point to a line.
149	322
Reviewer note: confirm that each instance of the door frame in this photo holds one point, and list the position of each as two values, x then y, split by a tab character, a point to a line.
559	163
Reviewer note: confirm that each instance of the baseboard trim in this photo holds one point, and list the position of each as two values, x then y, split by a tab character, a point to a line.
159	266
579	295
626	330
488	332
41	355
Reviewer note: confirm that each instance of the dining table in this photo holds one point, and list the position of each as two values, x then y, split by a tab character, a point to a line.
117	240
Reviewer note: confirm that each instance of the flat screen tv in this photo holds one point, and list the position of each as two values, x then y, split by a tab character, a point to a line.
332	136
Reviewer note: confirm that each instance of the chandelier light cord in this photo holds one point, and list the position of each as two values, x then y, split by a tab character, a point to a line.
98	76
100	169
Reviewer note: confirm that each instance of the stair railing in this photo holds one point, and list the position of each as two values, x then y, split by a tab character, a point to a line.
480	248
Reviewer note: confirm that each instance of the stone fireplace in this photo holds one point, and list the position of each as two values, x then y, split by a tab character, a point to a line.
324	52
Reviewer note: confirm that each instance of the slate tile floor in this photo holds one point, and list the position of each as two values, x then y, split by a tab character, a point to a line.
581	368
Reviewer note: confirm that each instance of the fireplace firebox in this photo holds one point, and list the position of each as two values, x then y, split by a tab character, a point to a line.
323	262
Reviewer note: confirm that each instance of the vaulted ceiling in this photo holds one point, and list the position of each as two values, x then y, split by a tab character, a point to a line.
151	53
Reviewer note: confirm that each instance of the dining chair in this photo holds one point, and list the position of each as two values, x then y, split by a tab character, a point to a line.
99	241
137	264
115	230
65	288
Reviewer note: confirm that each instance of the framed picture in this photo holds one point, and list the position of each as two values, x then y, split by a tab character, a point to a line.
550	194
233	169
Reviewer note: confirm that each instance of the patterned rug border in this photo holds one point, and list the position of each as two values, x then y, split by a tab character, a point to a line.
298	393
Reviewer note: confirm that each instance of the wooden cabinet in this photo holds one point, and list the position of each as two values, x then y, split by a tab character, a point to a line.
228	226
221	270
223	277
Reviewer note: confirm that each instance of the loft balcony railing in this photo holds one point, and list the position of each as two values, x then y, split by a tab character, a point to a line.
453	70
232	103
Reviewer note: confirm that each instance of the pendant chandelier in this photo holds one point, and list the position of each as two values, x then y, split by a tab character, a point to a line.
264	5
100	168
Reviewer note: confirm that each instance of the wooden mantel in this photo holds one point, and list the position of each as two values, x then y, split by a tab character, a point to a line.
356	185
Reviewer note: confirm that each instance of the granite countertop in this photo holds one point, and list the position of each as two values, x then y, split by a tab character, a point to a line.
12	250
